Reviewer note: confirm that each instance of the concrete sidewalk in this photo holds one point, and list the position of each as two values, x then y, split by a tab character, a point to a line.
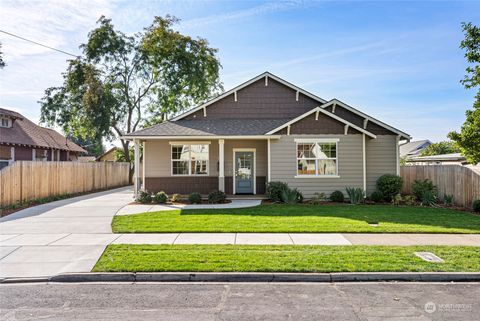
70	235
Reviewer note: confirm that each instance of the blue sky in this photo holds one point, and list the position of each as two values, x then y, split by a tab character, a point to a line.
398	61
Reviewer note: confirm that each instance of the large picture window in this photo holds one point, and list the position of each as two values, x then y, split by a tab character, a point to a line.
317	158
190	159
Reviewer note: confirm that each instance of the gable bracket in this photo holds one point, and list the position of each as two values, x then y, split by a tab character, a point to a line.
204	112
333	108
316	114
235	95
296	95
288	130
346	129
266	80
365	122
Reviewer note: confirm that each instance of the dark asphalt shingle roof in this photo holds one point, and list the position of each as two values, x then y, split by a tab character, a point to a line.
212	127
25	132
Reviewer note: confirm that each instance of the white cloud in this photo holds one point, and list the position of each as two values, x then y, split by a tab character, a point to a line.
245	13
48	22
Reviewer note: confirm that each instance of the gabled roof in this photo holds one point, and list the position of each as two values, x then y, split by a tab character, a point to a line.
323	111
10	113
114	148
210	127
365	116
25	132
413	148
245	84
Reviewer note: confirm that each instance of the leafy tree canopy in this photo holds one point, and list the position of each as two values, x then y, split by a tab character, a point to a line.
468	139
94	146
445	147
122	80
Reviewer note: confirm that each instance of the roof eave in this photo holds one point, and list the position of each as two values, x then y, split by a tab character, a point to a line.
146	137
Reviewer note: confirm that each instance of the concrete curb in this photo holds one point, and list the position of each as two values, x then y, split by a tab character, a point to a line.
255	277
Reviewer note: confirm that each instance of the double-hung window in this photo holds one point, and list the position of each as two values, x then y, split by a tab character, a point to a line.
317	158
189	159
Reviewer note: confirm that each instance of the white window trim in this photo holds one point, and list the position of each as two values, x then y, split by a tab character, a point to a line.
9	122
189	159
311	141
254	150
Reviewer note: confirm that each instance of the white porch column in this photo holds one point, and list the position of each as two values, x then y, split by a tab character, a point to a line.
143	165
397	153
268	161
136	180
221	165
364	166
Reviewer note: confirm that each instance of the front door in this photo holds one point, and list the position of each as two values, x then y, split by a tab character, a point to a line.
244	171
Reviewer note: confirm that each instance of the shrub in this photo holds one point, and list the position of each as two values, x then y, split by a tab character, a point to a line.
275	189
337	196
175	198
195	198
160	198
217	197
447	200
318	198
291	196
428	198
410	200
144	197
389	185
419	187
397	199
476	205
376	196
355	194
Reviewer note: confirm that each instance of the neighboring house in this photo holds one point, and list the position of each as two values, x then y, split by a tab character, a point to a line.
109	155
263	130
20	139
444	159
415	148
86	159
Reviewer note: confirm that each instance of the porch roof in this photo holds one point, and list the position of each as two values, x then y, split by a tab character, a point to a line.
210	127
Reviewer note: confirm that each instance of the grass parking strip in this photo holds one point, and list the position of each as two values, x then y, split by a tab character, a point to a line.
284	258
302	219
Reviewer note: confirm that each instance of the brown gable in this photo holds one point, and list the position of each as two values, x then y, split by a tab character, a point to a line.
324	125
257	101
358	120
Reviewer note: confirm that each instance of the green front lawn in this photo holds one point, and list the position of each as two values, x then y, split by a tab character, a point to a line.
284	258
303	218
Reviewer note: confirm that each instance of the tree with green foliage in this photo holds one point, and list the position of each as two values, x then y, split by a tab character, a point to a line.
93	146
445	147
469	137
2	62
120	81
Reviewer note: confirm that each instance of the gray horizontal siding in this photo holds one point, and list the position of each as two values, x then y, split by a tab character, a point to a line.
350	169
381	159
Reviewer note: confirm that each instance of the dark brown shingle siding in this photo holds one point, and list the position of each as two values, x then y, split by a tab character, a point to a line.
259	101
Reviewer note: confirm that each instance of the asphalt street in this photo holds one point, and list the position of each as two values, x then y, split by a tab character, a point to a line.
240	301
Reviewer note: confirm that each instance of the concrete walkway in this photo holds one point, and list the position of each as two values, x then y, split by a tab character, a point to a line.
63	236
144	208
70	235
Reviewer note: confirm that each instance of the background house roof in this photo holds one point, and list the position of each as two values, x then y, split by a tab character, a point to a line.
211	127
25	132
414	148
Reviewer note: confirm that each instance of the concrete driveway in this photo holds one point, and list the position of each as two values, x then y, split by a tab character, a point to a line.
63	236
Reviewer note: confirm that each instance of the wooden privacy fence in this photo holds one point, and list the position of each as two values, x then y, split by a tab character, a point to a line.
28	180
461	182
